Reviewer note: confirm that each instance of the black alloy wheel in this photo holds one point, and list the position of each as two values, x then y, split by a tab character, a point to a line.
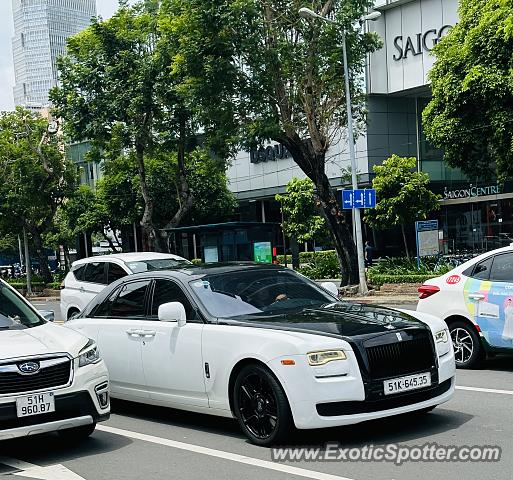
261	406
468	351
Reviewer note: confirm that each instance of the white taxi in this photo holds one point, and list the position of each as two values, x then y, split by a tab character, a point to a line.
476	301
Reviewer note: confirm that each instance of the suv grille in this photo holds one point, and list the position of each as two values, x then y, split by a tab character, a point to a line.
51	376
413	354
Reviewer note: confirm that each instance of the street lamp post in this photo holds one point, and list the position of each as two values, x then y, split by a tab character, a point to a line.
310	14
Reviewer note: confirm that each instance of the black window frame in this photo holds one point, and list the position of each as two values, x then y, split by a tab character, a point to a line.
199	317
117	291
109	263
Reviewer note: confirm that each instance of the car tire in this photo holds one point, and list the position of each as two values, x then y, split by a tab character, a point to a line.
71	312
77	434
468	351
261	406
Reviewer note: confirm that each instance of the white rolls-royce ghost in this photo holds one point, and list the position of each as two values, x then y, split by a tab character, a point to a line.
265	345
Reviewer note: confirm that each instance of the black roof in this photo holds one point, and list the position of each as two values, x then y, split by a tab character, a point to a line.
194	271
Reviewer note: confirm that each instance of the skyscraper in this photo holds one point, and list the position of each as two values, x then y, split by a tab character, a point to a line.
41	28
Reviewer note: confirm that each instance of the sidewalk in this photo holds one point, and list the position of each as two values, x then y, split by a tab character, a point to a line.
384	299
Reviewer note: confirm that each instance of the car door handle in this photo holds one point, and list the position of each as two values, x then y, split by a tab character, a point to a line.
147	333
133	332
476	296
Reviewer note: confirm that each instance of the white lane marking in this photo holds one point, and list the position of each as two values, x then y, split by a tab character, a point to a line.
485	390
233	457
51	472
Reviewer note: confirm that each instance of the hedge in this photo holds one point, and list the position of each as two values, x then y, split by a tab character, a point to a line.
379	279
305	257
24	285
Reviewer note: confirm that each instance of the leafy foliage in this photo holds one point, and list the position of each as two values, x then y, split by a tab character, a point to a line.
35	177
301	215
287	80
471	113
322	265
408	266
403	195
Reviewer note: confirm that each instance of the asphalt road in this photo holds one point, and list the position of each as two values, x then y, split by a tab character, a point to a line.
157	443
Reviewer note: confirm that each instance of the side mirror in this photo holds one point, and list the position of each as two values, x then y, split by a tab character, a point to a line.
48	315
330	287
173	312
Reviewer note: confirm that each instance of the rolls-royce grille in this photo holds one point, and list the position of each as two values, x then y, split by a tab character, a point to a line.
51	376
402	357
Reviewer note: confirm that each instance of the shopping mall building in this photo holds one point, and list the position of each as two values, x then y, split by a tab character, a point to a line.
475	214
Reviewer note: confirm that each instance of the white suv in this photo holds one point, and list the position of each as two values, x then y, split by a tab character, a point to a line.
90	276
51	377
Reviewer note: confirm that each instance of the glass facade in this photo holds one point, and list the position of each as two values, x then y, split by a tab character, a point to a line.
41	28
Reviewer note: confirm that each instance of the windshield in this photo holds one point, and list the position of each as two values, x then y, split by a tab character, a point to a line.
257	292
15	314
157	264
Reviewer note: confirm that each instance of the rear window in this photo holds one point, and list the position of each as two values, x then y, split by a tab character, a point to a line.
157	264
95	273
79	272
502	268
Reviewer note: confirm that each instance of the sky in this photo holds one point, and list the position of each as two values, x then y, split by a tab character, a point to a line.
105	8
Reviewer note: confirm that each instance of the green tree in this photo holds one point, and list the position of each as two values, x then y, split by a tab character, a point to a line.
35	178
403	195
136	84
290	86
302	217
470	115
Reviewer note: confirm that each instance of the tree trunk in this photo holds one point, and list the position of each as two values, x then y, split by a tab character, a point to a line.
313	165
148	230
185	197
110	242
405	242
44	269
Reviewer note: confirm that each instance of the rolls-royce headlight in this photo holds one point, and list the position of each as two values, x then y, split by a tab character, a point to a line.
322	358
442	336
89	354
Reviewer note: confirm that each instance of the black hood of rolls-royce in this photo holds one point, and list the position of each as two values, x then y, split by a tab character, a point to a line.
342	319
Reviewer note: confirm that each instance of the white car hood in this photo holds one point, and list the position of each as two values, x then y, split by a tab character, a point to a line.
43	340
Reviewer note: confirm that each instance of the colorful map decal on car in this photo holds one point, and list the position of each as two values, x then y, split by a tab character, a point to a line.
494	312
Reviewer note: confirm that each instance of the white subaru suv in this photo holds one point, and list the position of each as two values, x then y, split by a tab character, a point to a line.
52	378
89	276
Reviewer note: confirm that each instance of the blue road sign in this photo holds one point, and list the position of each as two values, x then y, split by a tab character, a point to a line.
358	199
347	199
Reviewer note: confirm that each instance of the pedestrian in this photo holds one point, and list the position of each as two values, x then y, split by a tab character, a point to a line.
369	254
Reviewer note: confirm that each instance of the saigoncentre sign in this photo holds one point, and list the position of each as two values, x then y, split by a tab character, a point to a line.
418	44
472	191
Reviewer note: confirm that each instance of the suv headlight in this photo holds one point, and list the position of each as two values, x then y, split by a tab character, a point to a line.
322	358
89	354
442	336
